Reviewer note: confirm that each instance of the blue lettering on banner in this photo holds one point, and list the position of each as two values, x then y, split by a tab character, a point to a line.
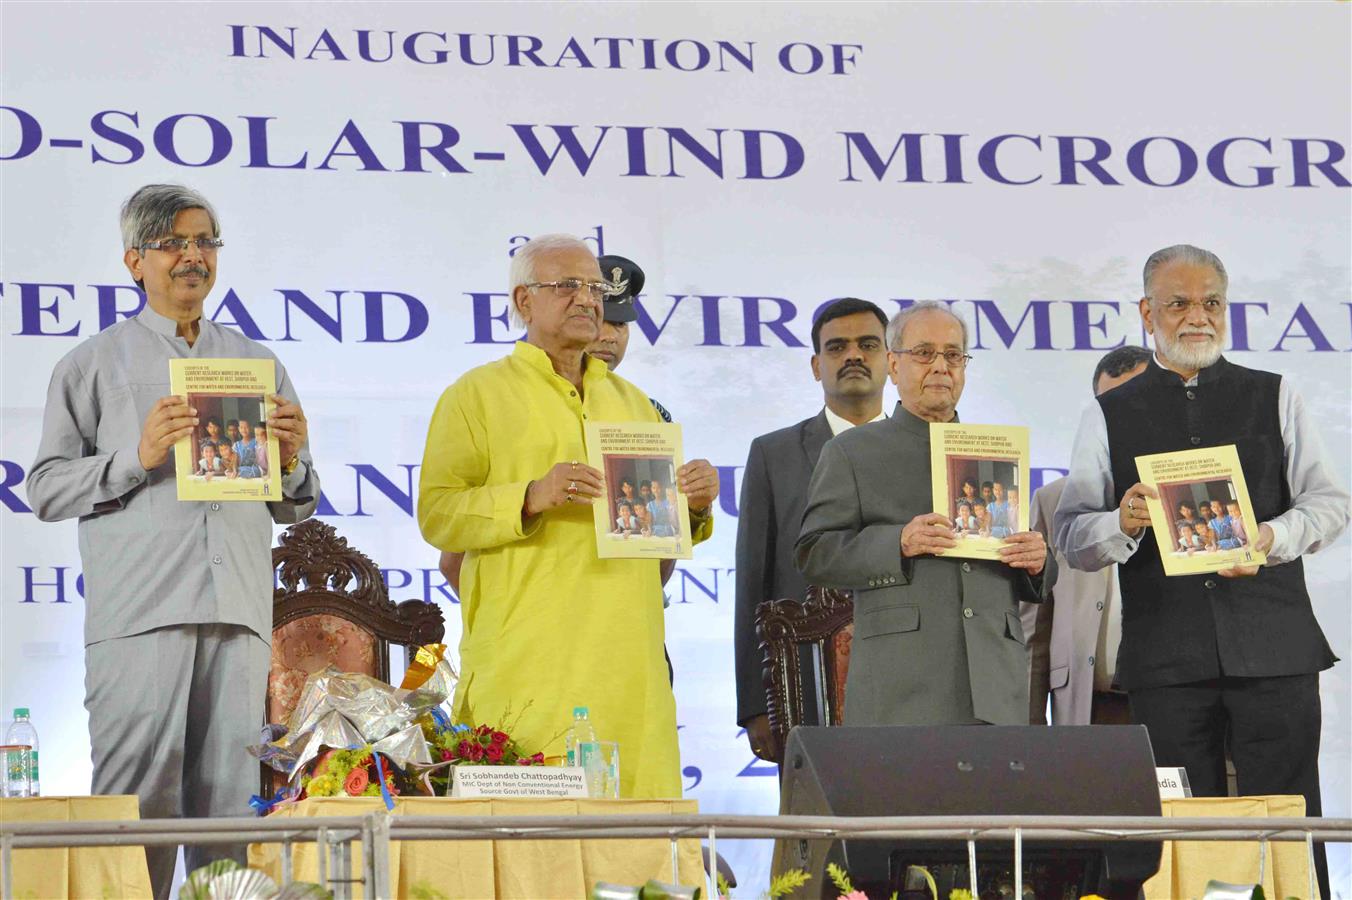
57	586
13	476
430	585
52	309
418	146
1160	161
521	50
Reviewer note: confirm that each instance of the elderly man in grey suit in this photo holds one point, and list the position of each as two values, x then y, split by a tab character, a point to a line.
937	640
849	358
1073	637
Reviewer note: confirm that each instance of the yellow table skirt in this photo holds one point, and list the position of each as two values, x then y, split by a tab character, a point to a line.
83	871
1186	866
509	868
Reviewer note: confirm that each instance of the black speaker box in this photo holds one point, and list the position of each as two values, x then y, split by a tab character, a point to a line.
993	770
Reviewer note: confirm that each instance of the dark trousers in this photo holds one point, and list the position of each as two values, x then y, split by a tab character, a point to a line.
1272	725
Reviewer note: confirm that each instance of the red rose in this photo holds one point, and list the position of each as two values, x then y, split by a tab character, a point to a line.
500	738
476	752
447	755
356	782
525	761
464	750
494	754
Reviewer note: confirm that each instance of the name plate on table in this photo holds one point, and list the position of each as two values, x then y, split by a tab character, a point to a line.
1173	783
518	781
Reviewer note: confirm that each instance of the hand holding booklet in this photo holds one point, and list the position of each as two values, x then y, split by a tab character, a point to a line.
980	476
1202	519
642	515
230	455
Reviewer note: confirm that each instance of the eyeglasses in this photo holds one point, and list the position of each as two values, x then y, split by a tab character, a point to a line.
569	287
178	245
1212	306
925	356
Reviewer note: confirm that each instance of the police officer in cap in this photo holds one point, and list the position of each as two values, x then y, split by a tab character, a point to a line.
626	280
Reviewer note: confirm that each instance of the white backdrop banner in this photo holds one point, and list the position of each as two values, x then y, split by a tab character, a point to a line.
375	165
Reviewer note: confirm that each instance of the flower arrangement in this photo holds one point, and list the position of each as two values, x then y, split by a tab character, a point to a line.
350	773
459	744
482	746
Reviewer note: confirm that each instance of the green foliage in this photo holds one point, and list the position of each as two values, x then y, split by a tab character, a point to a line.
725	889
840	878
782	884
960	894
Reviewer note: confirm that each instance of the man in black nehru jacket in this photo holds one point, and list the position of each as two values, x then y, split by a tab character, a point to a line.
1237	653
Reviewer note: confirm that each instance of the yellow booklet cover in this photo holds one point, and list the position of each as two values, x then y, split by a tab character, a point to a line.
1192	540
642	515
223	458
979	475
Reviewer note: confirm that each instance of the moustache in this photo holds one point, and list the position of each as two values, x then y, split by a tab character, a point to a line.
1204	332
853	367
199	271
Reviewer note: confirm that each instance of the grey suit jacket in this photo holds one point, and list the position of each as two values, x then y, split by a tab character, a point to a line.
774	491
937	640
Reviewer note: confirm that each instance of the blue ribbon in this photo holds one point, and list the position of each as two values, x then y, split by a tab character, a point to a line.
263	807
384	791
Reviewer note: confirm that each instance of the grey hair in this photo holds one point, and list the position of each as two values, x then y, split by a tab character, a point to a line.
522	270
150	212
1186	253
898	323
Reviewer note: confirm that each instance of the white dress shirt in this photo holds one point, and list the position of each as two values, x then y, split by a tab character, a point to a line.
840	424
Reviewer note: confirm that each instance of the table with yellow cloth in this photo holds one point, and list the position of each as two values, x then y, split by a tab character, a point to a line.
507	868
1186	866
81	871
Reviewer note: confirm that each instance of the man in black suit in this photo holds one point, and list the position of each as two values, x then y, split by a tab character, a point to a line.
850	360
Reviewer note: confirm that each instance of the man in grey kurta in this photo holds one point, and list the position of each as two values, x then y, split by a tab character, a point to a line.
178	616
937	640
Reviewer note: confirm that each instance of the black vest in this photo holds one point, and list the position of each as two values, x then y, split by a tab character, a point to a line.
1194	627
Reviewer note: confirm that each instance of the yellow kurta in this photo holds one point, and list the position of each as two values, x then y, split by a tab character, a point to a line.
545	621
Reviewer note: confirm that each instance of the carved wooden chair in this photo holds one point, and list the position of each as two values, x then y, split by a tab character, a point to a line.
331	607
815	635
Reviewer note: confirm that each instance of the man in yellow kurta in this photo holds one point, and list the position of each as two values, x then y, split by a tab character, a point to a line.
546	622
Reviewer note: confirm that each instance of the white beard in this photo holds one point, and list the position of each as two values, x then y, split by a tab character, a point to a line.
1187	355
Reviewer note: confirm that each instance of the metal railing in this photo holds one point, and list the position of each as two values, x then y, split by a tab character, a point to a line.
333	835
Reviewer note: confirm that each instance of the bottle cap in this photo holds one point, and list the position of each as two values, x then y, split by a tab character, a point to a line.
21	712
579	711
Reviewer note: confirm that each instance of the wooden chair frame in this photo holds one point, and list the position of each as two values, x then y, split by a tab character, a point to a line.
784	628
319	573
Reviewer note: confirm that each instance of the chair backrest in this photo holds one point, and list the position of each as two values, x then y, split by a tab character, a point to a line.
331	607
814	633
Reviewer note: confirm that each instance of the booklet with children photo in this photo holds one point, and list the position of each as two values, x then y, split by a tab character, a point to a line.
641	515
1202	517
980	477
230	455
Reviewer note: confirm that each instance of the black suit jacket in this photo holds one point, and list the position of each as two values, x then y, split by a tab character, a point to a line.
769	516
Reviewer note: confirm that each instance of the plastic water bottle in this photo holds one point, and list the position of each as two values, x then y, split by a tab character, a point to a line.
584	751
581	739
21	776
